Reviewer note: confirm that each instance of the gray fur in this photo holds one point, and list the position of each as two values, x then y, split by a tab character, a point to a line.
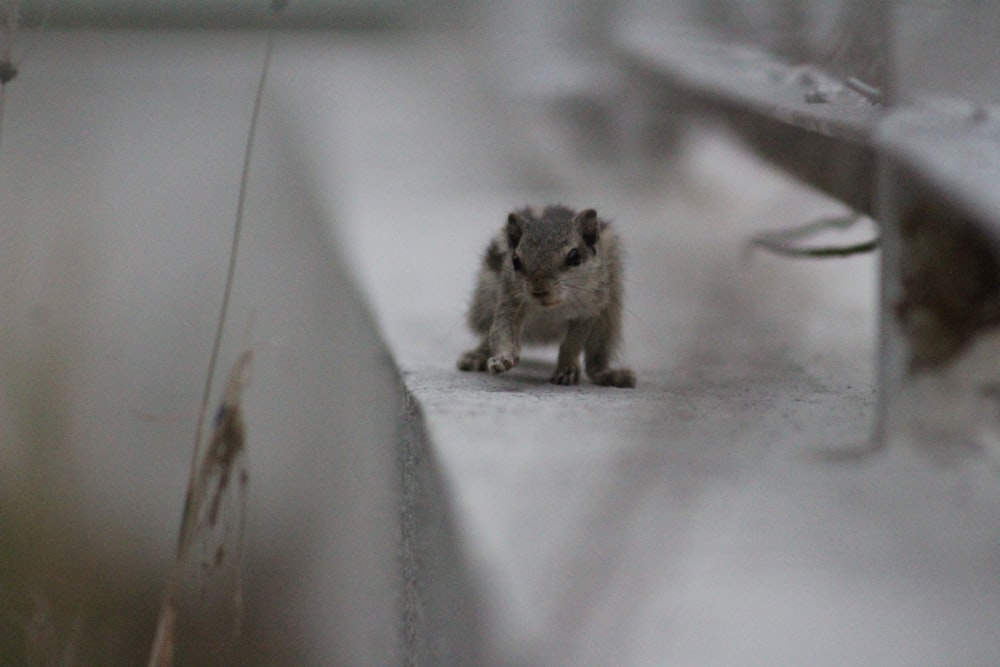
564	286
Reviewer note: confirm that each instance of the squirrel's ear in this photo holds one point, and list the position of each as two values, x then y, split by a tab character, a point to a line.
514	227
588	225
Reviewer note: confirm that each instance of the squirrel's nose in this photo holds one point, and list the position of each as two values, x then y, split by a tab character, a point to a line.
544	295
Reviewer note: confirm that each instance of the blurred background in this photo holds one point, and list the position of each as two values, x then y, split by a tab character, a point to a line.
122	140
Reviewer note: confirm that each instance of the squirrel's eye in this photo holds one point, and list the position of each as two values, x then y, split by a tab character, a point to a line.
573	258
516	261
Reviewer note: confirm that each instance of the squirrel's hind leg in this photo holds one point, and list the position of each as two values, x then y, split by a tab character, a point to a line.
598	351
614	377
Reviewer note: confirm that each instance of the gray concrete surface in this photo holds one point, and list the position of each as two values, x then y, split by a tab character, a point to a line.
707	517
712	516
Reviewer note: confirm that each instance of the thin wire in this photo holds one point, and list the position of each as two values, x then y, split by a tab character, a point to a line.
820	252
233	252
780	242
161	654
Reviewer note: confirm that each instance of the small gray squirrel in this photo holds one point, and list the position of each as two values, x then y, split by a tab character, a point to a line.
549	276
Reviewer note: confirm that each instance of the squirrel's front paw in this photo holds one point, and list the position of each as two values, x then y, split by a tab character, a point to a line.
566	375
501	363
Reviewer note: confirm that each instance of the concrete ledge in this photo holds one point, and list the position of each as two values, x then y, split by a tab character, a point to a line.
716	515
442	619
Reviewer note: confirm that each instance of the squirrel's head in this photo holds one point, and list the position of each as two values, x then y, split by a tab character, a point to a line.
553	253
